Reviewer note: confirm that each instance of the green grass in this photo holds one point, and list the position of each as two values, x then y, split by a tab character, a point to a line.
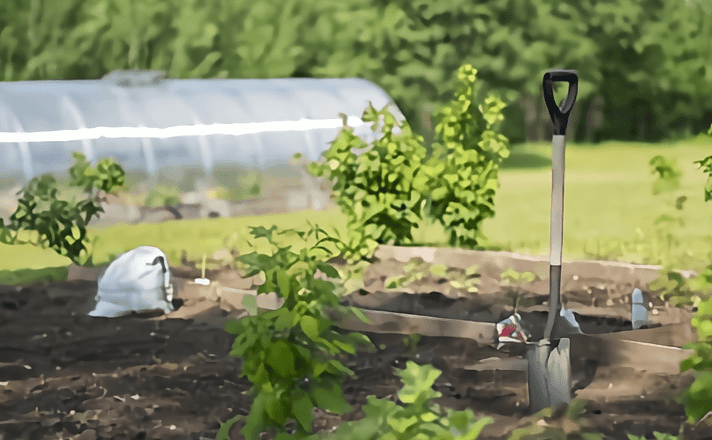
608	200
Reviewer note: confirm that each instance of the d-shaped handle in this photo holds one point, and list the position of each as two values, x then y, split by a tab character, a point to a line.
560	115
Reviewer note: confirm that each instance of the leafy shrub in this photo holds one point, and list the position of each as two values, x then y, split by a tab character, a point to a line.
698	398
160	196
59	224
416	269
373	184
387	188
289	354
511	277
418	418
462	175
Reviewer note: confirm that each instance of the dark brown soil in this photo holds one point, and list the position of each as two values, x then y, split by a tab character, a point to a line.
64	375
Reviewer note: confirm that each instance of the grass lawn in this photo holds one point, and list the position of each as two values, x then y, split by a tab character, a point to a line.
609	208
609	213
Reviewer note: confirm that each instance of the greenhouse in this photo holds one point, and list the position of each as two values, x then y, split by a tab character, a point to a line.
154	126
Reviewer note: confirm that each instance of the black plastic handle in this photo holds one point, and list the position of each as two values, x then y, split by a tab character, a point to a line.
159	259
560	115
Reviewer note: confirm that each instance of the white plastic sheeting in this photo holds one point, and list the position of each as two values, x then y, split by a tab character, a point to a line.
137	281
166	123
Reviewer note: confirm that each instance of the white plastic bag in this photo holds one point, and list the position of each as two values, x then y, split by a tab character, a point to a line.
137	281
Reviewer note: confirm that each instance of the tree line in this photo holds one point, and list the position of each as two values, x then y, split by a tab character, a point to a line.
645	66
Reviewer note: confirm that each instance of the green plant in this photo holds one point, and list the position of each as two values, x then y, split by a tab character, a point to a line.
160	196
387	188
511	277
418	418
560	424
658	436
236	184
467	279
226	426
416	269
289	354
668	182
58	224
706	164
673	287
460	178
411	341
698	397
373	183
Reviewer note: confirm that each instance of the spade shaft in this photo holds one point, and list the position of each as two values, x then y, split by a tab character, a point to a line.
549	372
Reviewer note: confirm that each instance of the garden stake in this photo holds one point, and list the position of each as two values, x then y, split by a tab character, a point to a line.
549	371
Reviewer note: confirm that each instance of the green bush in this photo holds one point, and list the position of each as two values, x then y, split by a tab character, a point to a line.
289	354
387	187
59	224
373	184
160	196
461	178
698	397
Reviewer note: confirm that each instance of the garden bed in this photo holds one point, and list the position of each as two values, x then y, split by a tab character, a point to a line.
169	377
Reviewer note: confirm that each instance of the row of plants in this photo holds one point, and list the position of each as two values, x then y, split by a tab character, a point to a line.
375	186
359	181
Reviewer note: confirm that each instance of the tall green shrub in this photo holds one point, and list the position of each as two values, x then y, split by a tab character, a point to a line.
387	187
373	183
461	177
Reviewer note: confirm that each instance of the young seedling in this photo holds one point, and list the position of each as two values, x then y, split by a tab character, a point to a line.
468	280
511	277
411	341
414	270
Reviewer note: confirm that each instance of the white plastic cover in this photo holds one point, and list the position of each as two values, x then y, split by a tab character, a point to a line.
137	281
638	310
154	125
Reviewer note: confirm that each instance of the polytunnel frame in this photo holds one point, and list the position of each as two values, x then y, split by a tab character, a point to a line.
23	147
66	103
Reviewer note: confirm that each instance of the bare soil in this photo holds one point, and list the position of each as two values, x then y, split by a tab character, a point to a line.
65	375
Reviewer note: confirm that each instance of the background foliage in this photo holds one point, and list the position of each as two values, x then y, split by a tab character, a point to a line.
647	60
